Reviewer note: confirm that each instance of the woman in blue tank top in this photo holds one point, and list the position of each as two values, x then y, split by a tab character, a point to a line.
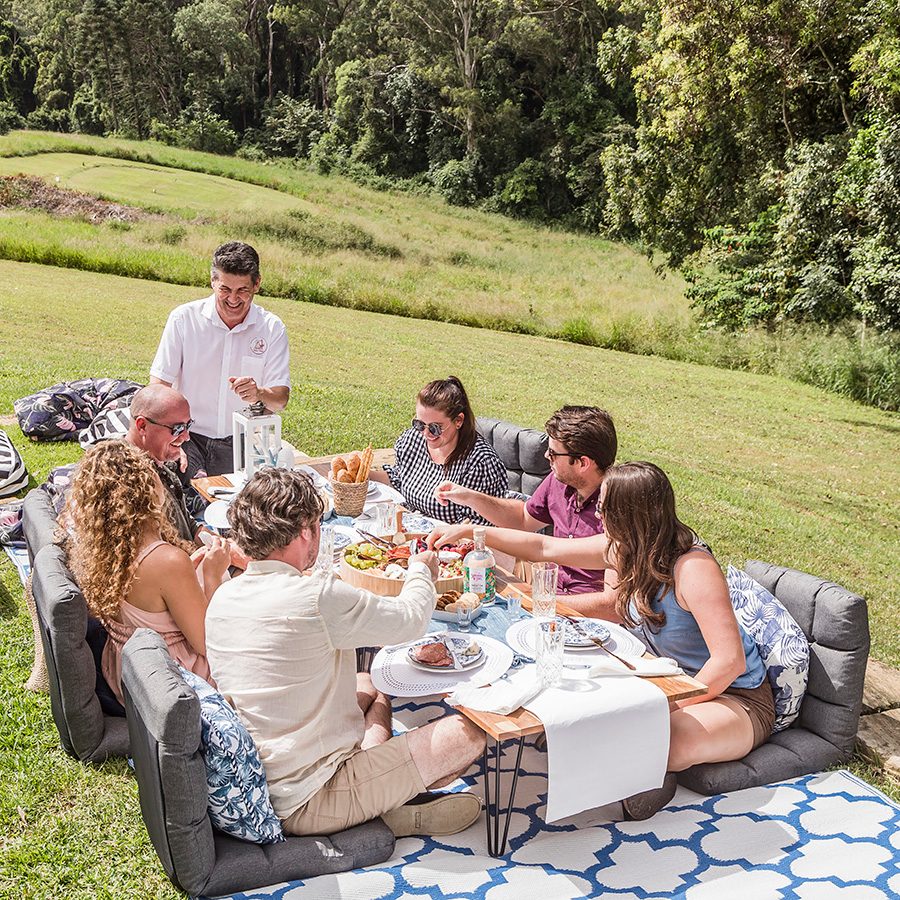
673	593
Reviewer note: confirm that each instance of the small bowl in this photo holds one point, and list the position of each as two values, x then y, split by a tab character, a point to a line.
448	556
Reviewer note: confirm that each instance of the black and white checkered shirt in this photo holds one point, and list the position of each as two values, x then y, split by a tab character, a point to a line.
416	476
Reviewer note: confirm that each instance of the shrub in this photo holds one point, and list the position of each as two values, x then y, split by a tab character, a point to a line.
9	117
457	181
291	127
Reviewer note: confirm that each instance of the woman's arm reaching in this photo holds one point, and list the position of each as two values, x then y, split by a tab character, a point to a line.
588	552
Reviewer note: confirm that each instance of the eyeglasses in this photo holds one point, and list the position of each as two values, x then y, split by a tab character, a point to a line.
552	454
435	429
177	429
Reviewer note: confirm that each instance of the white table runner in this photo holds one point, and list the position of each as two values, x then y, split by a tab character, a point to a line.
607	738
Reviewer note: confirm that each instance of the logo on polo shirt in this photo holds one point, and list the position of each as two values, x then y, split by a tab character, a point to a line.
258	346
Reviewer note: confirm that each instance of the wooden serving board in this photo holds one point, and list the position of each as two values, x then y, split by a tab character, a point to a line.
371	580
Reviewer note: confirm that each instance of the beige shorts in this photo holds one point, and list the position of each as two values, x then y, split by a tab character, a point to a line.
369	783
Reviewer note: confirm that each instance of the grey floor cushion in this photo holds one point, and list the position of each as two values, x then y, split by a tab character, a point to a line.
85	730
521	450
836	623
164	722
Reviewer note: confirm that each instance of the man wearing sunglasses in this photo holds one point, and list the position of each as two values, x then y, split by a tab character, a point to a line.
223	353
582	445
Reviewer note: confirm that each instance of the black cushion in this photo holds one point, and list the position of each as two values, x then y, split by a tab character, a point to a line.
164	720
85	731
836	623
521	450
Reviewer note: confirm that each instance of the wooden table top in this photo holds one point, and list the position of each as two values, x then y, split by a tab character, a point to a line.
520	723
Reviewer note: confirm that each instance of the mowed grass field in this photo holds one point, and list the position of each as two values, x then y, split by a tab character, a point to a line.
327	238
763	468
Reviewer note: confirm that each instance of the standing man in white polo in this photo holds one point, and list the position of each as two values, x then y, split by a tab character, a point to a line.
223	353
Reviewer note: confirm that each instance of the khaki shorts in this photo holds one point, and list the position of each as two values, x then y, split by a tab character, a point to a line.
369	783
759	704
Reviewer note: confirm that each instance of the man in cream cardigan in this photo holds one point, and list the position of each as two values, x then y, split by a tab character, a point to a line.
282	646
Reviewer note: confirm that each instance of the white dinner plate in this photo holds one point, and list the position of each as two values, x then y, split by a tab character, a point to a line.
216	515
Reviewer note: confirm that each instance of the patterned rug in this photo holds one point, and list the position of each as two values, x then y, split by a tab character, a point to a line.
814	838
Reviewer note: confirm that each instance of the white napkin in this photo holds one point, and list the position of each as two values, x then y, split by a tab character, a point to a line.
503	696
606	740
647	668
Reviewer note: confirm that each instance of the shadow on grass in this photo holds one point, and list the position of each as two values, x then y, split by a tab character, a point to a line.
8	607
880	426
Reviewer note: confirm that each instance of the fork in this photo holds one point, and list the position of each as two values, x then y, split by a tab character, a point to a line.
595	640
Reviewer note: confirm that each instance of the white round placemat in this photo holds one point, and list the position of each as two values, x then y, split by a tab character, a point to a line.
521	637
393	674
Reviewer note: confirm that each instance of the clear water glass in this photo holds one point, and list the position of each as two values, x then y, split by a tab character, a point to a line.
463	617
513	606
550	645
386	519
543	589
325	559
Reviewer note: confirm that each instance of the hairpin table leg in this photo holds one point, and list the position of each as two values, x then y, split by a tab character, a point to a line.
496	846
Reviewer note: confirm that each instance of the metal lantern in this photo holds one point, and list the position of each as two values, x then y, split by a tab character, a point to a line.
257	439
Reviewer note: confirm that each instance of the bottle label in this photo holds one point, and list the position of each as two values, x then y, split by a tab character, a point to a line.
481	582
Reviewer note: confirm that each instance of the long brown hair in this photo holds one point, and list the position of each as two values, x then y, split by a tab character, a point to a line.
645	535
114	497
450	397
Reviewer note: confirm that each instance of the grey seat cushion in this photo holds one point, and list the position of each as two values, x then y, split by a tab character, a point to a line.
85	731
38	522
521	450
836	623
164	721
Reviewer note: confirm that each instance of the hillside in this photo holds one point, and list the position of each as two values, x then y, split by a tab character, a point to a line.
764	468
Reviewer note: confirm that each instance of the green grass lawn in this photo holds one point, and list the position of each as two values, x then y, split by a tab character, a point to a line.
465	261
763	468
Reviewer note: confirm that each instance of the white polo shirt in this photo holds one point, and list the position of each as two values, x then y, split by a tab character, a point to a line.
198	353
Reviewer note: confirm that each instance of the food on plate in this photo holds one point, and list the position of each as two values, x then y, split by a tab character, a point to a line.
433	654
353	468
468	600
393	562
447	599
472	650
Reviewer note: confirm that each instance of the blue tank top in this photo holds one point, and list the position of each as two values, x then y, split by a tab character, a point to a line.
680	638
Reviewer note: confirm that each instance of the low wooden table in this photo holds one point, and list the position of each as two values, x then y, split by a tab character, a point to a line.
521	723
516	725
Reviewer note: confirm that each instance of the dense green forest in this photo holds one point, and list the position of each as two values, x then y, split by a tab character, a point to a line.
755	144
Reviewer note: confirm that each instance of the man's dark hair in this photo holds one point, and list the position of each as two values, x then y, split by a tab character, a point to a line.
272	509
587	431
236	258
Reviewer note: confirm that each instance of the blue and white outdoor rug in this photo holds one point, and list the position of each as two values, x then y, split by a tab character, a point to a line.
815	838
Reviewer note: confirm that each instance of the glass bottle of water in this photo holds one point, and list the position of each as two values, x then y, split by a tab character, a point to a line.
478	569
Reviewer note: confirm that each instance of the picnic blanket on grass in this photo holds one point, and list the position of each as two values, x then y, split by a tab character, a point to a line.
814	838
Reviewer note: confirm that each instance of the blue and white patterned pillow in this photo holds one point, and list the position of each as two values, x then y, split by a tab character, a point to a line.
239	801
781	642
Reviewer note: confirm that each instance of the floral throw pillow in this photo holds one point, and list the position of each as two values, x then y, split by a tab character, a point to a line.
239	802
781	642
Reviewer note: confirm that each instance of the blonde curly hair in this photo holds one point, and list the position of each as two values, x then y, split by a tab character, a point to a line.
115	495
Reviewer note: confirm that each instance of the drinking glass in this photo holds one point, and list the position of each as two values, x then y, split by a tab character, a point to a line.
543	590
325	559
513	606
385	522
463	617
550	644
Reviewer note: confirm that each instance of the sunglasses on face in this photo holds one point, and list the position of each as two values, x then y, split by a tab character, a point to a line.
435	429
552	454
177	429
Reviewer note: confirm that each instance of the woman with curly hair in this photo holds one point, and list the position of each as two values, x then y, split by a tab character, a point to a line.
673	594
133	569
